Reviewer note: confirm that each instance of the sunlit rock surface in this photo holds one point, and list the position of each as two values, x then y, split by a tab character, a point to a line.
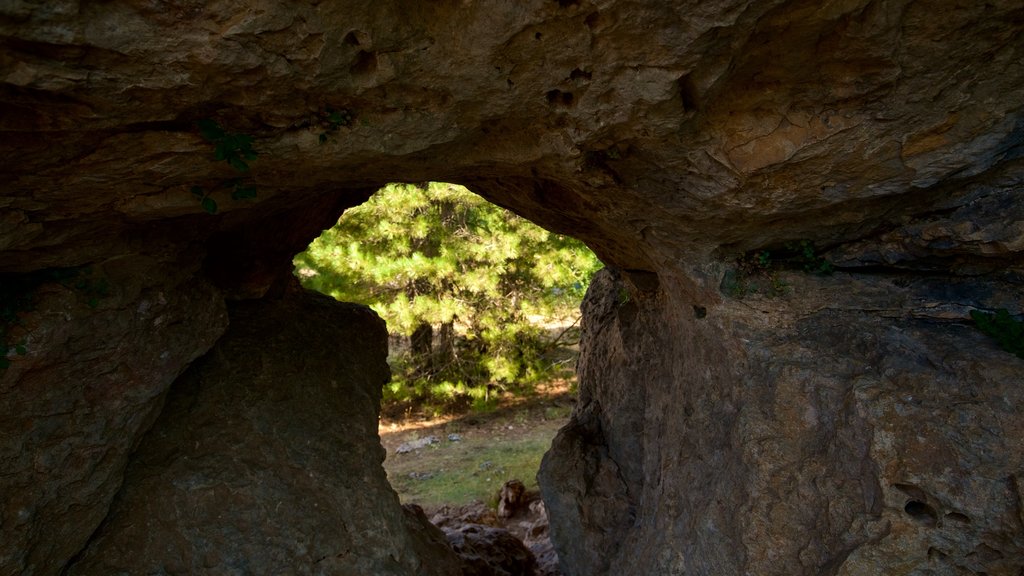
854	423
834	429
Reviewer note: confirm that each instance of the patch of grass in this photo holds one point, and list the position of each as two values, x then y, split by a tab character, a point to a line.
474	468
557	412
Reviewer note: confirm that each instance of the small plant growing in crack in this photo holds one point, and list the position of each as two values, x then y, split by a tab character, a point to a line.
807	258
235	149
623	296
757	271
332	120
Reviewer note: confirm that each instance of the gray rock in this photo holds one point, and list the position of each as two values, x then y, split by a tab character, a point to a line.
413	445
102	347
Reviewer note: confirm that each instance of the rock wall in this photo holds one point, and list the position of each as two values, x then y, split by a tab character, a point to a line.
674	137
102	346
266	459
816	432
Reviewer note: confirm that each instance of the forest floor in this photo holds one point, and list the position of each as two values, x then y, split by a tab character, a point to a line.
461	459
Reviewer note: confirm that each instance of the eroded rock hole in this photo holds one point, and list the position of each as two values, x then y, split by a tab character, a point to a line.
913	491
483	313
985	553
580	74
688	93
921	512
559	98
365	63
352	39
958	517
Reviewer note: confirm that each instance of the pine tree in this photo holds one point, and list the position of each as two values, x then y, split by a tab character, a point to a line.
458	276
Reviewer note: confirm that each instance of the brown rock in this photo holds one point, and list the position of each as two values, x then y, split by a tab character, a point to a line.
511	498
529	525
475	512
102	346
808	433
266	460
490	551
713	436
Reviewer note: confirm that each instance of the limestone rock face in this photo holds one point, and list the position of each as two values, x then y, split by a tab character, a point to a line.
673	137
266	459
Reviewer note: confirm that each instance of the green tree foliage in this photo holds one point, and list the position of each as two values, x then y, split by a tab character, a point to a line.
467	282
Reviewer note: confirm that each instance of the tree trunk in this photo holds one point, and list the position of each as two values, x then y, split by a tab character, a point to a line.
421	343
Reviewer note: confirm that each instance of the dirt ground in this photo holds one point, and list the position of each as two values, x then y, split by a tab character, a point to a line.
456	460
454	467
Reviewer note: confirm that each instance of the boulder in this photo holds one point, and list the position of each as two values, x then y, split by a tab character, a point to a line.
511	498
266	459
489	551
529	525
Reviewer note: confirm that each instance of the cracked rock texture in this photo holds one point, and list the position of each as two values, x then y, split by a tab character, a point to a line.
807	434
266	459
102	347
854	423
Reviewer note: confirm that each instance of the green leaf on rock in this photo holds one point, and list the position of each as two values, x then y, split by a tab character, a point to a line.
243	192
238	164
210	205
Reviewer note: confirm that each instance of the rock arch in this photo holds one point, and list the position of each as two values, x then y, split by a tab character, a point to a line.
806	433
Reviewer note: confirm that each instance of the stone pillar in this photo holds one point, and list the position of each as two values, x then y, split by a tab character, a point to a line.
266	459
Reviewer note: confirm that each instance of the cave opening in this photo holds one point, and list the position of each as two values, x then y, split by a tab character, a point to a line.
483	314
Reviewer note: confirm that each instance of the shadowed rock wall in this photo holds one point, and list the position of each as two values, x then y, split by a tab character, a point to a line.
673	137
103	346
266	459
